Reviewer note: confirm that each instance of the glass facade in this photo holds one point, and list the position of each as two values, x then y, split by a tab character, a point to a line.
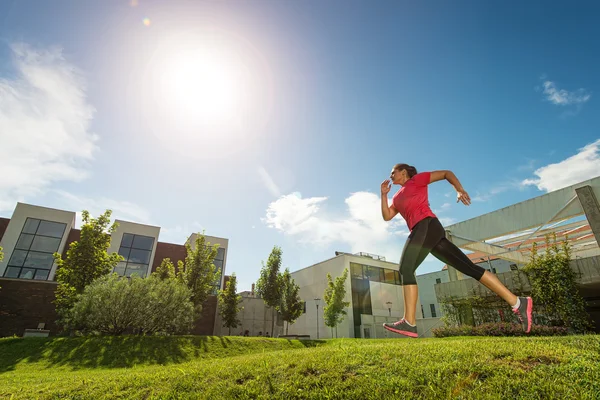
33	255
136	251
360	276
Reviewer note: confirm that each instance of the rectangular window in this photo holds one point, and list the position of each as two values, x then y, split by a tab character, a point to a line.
33	255
389	276
356	271
433	314
136	251
373	273
438	280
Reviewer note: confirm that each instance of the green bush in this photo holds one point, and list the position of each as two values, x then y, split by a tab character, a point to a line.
499	329
114	306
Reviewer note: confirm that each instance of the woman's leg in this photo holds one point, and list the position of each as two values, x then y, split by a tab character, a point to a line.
449	253
417	247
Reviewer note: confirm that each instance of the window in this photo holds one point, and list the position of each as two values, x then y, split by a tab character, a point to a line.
136	251
438	280
433	314
303	307
422	312
33	257
513	267
374	274
389	276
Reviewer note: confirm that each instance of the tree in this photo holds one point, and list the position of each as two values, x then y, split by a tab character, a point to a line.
114	306
198	272
291	305
166	270
229	304
1	254
554	286
334	310
268	285
87	260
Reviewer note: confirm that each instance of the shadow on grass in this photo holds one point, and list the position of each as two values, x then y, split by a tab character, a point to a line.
127	351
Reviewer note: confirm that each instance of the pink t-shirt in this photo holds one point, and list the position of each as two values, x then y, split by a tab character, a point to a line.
412	201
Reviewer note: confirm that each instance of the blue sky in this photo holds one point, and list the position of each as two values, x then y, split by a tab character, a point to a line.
274	123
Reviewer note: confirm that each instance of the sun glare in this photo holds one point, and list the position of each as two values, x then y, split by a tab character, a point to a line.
204	85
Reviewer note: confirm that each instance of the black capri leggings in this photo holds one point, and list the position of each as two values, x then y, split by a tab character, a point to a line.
429	236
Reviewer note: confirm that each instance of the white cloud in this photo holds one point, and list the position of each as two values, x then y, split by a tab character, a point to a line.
443	207
269	182
44	124
580	167
361	229
563	97
123	210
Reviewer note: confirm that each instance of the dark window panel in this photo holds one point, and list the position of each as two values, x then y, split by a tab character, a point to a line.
39	260
220	254
12	272
389	276
127	240
18	258
27	273
138	269
142	242
24	242
124	251
31	225
120	268
54	229
41	275
45	244
139	256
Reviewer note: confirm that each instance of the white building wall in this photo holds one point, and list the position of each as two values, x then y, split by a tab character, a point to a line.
313	282
17	221
426	283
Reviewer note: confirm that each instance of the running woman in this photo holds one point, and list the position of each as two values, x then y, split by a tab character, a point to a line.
427	235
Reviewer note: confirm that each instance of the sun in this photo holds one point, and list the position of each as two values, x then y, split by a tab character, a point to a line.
205	85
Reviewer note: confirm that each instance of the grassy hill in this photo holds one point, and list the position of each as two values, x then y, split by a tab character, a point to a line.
260	368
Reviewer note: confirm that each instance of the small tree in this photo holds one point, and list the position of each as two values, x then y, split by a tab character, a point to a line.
334	310
87	260
166	270
554	286
268	285
291	305
229	304
113	305
198	271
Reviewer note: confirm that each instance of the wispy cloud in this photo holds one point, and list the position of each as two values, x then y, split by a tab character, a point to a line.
361	228
269	182
562	97
123	210
180	233
44	124
577	168
495	190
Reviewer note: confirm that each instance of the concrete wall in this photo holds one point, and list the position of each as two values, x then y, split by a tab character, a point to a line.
426	283
255	317
312	282
17	222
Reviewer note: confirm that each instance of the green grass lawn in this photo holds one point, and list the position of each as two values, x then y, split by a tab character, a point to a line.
260	368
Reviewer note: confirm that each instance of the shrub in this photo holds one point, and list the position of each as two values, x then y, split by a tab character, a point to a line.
499	329
113	305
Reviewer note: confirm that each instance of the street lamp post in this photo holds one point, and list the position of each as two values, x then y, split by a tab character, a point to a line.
389	304
317	300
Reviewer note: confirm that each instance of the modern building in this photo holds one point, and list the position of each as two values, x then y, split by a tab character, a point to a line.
572	214
33	234
372	289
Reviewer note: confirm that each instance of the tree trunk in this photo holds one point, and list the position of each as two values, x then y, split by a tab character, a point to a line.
229	331
336	331
287	327
273	323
